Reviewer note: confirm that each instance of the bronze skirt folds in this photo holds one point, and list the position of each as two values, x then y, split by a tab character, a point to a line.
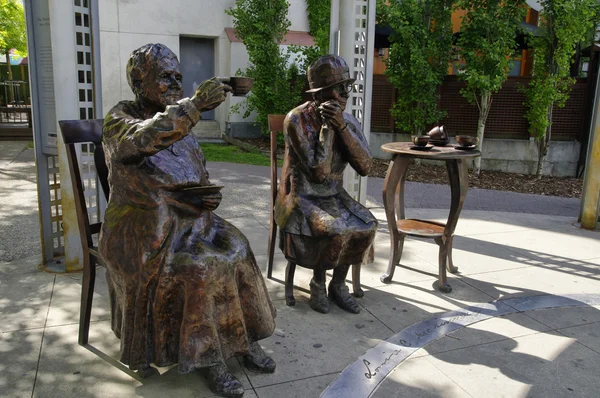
342	231
197	299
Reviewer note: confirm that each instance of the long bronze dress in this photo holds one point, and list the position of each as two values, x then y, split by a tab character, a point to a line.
321	225
184	285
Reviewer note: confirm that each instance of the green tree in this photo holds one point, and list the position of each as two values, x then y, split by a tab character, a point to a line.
487	44
12	31
319	20
419	54
565	24
262	25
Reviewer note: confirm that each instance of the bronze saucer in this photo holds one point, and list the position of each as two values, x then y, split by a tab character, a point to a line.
465	148
421	148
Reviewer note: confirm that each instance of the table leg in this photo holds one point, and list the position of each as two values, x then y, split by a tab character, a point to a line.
394	179
458	173
450	266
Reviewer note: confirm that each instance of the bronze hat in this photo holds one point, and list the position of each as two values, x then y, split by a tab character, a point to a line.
328	71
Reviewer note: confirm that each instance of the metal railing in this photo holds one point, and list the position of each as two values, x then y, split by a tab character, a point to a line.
14	93
15	108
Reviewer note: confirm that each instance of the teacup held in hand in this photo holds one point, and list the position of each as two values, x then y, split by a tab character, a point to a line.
240	85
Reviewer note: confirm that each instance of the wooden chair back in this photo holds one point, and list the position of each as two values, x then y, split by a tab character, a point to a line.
275	126
75	132
82	131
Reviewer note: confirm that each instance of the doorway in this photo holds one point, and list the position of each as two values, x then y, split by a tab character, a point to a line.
197	65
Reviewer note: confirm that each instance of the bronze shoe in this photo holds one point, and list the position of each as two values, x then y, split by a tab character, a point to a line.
318	297
258	361
340	294
223	383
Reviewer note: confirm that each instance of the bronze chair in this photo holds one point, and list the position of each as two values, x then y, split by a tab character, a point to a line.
74	132
276	126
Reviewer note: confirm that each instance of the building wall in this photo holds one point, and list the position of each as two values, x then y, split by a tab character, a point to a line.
128	24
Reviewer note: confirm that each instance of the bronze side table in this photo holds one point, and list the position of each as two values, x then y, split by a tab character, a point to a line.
393	201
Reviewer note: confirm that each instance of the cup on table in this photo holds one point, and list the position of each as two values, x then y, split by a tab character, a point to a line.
466	140
421	140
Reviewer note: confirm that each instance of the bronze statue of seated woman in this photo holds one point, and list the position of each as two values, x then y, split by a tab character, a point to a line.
184	284
321	226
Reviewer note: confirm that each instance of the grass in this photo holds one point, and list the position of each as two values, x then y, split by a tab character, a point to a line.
233	154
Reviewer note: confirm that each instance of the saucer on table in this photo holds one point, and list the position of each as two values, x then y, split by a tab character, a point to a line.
421	148
465	148
439	142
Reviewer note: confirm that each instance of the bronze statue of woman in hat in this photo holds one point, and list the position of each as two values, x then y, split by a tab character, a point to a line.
184	284
321	226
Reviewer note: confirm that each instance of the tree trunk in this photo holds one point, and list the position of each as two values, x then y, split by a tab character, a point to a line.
544	144
486	100
11	95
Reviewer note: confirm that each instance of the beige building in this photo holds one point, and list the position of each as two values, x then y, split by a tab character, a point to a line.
199	32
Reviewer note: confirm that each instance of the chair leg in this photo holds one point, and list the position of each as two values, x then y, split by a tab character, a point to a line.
443	257
87	294
358	292
290	269
451	268
271	248
147	372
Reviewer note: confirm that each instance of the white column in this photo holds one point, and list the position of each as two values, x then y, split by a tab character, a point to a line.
64	58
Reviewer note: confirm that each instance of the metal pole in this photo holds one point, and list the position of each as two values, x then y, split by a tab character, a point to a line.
38	37
590	200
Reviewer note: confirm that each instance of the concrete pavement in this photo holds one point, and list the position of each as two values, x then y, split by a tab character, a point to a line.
255	180
501	255
19	221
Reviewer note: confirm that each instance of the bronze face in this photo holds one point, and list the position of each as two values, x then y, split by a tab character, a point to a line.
339	93
154	76
162	83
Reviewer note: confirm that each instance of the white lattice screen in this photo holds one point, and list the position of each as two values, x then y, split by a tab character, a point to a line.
358	68
58	242
85	87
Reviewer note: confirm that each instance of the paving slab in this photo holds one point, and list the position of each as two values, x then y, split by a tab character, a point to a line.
471	254
67	369
19	352
485	332
400	305
66	299
256	233
530	281
19	220
558	318
309	344
309	387
541	244
24	300
543	364
26	265
586	335
419	378
10	151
